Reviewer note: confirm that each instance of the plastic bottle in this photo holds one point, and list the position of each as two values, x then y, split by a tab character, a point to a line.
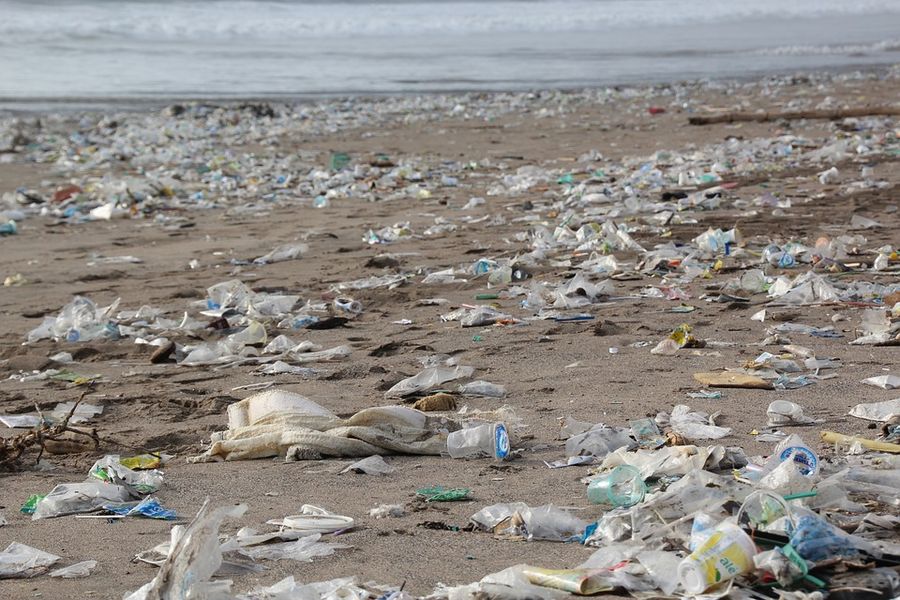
488	439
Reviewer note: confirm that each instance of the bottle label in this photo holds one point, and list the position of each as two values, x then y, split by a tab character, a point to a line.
804	457
501	441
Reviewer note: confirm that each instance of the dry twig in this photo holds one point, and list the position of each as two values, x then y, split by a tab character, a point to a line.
12	449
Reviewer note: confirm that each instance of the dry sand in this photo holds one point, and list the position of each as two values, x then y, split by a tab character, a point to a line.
174	409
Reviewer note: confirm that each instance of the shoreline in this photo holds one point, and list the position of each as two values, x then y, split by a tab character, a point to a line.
147	103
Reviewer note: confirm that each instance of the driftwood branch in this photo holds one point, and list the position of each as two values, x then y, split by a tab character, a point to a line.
12	449
760	117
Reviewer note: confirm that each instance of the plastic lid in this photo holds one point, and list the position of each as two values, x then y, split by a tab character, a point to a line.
314	523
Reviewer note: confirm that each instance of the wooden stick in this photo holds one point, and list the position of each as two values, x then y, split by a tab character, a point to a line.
761	117
839	438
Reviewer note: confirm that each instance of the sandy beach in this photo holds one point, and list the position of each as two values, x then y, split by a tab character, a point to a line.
523	154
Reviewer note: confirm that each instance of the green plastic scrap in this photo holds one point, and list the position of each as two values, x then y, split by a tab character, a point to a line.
338	161
73	377
31	503
440	494
798	560
567	178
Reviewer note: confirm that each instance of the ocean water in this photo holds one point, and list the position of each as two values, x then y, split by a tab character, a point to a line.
84	51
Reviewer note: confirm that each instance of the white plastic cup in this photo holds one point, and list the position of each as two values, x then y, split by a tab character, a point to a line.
489	439
726	553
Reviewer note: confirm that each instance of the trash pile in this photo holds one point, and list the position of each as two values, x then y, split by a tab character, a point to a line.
671	505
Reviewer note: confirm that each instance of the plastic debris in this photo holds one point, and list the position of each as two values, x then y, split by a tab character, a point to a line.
440	494
281	423
383	511
373	465
19	560
81	569
884	412
885	382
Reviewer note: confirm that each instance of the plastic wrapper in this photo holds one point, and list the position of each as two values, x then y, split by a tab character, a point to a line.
666	461
289	589
383	511
304	549
483	315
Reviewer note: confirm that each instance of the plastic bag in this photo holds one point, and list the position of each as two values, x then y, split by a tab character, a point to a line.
482	388
428	379
19	560
782	412
815	539
111	470
70	498
695	425
373	465
882	412
517	519
599	441
194	557
82	569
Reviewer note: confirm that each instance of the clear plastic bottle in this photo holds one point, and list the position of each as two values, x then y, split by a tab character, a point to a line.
488	439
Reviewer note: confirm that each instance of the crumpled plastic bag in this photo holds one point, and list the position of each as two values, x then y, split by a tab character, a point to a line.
428	379
81	569
71	498
599	441
194	557
111	470
782	412
519	520
696	425
289	589
666	461
815	539
882	412
302	550
885	382
19	560
373	465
